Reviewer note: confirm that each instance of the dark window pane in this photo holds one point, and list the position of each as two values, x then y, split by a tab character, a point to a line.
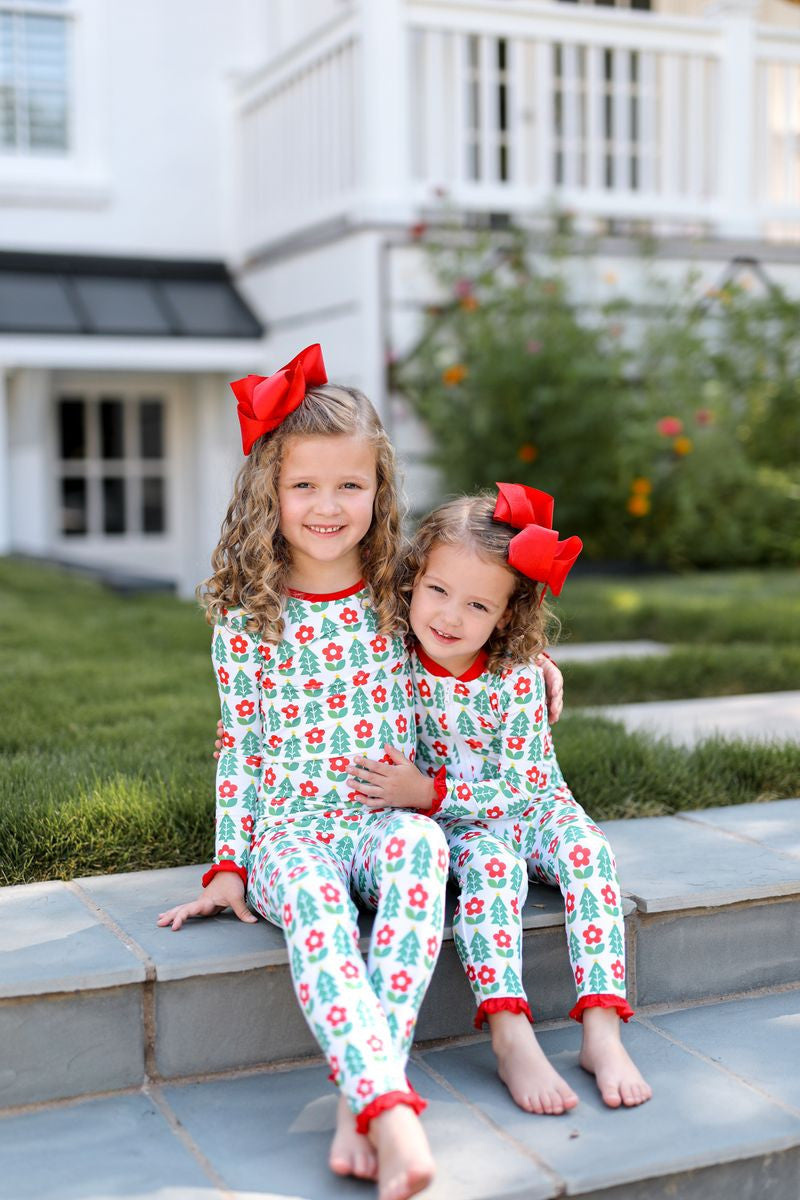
113	506
35	302
73	506
208	308
151	429
153	505
72	429
112	443
119	305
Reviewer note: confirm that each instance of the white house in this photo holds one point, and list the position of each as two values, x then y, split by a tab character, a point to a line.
193	190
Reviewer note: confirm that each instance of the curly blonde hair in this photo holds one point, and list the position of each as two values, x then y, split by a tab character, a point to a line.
468	521
252	560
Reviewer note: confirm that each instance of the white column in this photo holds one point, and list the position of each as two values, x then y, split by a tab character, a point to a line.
736	116
5	468
32	470
383	105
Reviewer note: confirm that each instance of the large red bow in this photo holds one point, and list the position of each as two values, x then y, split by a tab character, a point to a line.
536	552
266	400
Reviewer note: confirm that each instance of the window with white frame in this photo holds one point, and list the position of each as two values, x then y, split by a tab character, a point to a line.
34	77
111	465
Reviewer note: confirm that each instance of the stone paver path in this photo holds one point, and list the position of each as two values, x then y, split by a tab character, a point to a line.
768	716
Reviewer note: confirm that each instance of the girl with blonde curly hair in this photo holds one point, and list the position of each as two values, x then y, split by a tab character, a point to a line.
476	577
312	666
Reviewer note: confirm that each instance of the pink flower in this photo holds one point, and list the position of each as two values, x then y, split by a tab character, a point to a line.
495	868
417	896
336	1015
227	790
579	856
618	970
315	940
394	848
593	935
401	981
669	426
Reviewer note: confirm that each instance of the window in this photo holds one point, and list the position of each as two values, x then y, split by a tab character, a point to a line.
34	78
112	465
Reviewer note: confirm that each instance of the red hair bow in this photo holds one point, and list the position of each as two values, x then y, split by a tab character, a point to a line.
536	552
264	401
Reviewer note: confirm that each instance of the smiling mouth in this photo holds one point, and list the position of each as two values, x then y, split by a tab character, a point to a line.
444	637
325	530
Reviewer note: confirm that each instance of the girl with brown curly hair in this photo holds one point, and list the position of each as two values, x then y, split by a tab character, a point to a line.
312	665
477	574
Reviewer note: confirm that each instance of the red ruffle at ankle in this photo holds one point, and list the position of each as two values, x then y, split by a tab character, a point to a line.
382	1104
513	1004
602	1001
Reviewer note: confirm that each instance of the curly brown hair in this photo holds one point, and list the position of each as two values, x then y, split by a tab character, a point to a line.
252	559
468	521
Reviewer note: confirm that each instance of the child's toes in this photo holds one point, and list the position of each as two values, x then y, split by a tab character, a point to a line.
611	1095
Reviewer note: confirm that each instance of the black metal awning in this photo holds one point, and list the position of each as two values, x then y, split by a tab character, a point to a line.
121	297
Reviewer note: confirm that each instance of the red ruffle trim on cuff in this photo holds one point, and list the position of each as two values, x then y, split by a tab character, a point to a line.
513	1004
224	866
382	1104
440	788
602	1000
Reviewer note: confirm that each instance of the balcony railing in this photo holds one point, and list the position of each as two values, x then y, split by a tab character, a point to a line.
514	105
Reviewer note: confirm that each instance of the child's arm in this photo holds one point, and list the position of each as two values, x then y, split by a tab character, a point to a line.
396	784
554	686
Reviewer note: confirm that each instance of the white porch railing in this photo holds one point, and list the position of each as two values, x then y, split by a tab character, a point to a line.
511	105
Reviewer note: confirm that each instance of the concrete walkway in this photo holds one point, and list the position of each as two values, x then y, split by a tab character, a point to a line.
765	717
590	652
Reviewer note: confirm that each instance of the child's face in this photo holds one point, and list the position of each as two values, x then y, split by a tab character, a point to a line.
326	489
457	602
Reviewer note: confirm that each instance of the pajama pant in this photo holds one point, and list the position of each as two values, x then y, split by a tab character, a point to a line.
302	870
492	860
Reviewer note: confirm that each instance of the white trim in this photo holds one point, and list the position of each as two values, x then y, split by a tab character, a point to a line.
193	355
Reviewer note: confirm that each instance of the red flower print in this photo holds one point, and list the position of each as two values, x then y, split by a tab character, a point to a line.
515	906
401	981
417	896
570	902
304	634
304	991
336	701
543	780
375	1043
424	689
286	665
579	856
579	973
441	859
269	777
537	716
463	792
267	684
503	939
522	687
275	741
495	869
473	906
363	729
332	652
593	935
461	689
515	743
223	676
290	711
228	740
378	644
238	645
349	970
409	688
330	894
245	708
463	857
360	678
325	836
471	973
433	946
474	744
314	736
443	722
287	914
227	851
551	849
265	653
307	788
315	940
364	1088
253	760
247	824
349	616
401	724
394	848
384	935
533	774
339	764
379	694
609	896
486	975
313	685
440	748
227	790
336	1015
494	813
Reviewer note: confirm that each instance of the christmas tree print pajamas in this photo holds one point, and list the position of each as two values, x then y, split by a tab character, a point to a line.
289	825
509	816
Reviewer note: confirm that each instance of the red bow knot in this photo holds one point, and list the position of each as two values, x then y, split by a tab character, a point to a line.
264	401
536	551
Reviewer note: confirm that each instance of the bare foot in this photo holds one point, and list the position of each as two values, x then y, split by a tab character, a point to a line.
521	1064
351	1152
604	1056
405	1162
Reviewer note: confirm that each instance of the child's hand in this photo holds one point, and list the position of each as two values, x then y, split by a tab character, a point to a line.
554	687
398	784
218	742
226	890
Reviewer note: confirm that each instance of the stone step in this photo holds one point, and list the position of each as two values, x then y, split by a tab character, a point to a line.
762	717
94	997
591	652
724	1122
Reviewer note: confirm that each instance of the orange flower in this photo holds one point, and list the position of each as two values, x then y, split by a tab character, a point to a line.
641	486
682	445
638	506
454	375
527	453
469	303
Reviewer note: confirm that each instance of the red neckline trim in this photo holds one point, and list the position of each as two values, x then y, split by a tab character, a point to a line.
435	668
317	596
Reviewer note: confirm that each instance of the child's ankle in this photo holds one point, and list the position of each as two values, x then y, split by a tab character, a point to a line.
507	1027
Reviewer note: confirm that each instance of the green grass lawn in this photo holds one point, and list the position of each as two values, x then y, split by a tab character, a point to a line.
109	712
